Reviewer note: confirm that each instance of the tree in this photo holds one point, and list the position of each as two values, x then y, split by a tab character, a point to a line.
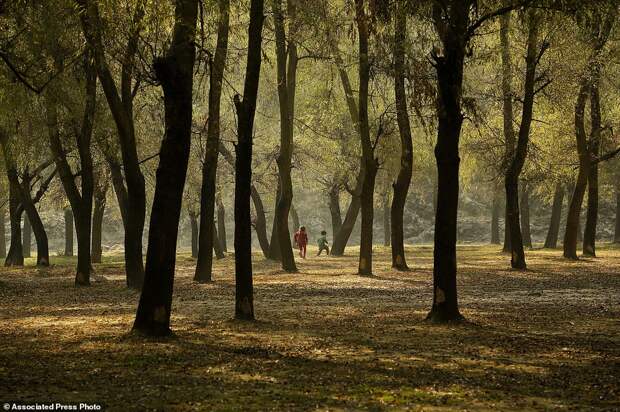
551	240
121	106
286	57
246	108
209	169
175	72
403	180
99	198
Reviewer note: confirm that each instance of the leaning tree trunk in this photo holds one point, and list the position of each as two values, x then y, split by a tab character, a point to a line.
387	234
286	59
508	116
68	232
589	234
403	180
295	217
26	238
532	58
175	72
525	216
221	224
551	241
15	256
334	209
246	108
207	239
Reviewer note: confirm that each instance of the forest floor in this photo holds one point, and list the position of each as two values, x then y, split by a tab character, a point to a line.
326	339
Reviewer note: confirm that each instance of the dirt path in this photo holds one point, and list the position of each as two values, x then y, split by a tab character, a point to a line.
548	338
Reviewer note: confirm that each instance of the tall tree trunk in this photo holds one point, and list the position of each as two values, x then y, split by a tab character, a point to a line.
275	252
496	210
121	107
533	55
175	72
403	180
246	108
217	246
26	238
193	223
2	232
589	234
15	256
551	241
207	242
371	164
451	25
221	224
286	58
525	215
334	209
508	116
98	212
68	232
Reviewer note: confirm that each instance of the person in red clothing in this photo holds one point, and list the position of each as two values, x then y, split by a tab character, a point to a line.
301	240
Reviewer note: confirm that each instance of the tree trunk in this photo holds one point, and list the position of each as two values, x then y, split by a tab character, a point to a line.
403	180
387	234
121	107
451	25
68	232
508	116
334	209
617	231
27	238
533	55
15	257
551	241
295	218
2	232
175	72
221	224
217	247
99	209
286	58
246	108
589	234
574	209
496	210
274	241
208	241
525	216
193	222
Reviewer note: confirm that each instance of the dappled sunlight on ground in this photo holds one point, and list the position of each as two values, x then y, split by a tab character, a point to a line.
325	338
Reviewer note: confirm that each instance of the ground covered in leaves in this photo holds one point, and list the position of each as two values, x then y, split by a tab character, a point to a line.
547	338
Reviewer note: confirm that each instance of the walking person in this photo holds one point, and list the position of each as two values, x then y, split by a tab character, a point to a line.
301	240
323	243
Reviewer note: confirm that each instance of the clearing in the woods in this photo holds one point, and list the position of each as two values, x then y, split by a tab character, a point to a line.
547	338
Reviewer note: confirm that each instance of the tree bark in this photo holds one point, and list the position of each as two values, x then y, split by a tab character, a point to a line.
286	59
26	238
589	234
193	222
246	108
121	107
403	180
100	195
175	72
525	215
517	161
207	239
2	232
68	232
387	229
551	241
295	217
334	209
274	241
15	256
508	116
221	224
496	210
